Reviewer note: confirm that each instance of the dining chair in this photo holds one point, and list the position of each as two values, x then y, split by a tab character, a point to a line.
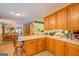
18	46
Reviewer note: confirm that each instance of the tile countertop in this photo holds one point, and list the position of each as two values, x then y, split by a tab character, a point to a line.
24	38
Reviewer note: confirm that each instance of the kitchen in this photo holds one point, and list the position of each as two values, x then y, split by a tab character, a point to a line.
54	33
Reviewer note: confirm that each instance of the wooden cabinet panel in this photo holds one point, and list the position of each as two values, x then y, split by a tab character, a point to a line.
41	44
46	23
30	47
34	46
52	21
50	45
61	17
72	49
56	47
59	48
73	17
66	18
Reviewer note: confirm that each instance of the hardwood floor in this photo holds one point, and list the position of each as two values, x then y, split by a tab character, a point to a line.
7	48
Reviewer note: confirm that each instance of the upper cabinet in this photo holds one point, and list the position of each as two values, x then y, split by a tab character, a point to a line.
66	18
46	23
73	17
61	17
52	21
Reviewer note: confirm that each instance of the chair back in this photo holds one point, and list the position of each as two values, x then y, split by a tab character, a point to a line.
14	39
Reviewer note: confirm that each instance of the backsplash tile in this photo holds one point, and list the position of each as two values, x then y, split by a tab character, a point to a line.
60	33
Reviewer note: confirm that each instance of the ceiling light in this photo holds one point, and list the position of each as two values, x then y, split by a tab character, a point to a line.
17	13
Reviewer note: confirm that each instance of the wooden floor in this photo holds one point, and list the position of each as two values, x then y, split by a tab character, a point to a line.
8	48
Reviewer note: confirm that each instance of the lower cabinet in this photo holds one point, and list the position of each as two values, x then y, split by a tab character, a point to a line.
34	46
72	49
41	44
59	48
56	47
30	47
50	45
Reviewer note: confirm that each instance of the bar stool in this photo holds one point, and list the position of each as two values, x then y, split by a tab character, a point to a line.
18	46
5	37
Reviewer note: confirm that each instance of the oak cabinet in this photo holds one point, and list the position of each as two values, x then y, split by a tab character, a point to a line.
59	48
34	46
52	21
55	46
72	49
73	17
30	47
64	19
50	45
46	23
41	44
61	17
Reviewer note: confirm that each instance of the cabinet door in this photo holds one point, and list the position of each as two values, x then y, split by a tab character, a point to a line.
48	44
30	47
73	17
52	21
46	23
41	44
52	46
72	49
59	48
61	16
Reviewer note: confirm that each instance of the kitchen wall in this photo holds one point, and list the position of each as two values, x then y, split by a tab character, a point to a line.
38	26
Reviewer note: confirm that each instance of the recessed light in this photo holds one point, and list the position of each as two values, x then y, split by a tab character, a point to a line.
17	13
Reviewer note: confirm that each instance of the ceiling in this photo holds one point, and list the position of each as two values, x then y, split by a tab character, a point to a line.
31	11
